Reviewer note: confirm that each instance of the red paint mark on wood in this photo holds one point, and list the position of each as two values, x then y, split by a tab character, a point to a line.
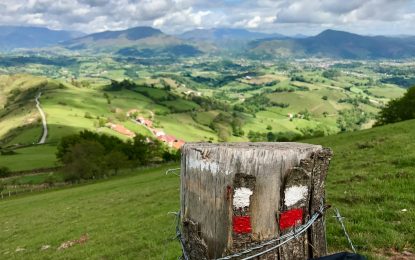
242	224
291	218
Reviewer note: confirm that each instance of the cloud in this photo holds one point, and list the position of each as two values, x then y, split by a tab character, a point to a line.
339	11
175	16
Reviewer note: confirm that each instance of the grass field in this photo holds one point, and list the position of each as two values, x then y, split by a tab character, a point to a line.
125	218
370	180
34	157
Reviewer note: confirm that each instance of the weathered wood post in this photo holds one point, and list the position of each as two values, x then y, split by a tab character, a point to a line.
236	195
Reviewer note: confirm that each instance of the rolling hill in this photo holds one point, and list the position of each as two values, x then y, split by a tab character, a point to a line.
14	37
370	180
338	44
228	39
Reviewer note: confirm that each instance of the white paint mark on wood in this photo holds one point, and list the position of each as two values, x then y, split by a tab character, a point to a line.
294	194
241	197
203	165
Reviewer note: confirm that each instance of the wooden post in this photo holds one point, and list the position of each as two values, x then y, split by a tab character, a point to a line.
235	195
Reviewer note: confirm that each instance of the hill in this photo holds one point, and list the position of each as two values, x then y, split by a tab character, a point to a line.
223	34
14	37
225	39
138	41
369	180
338	44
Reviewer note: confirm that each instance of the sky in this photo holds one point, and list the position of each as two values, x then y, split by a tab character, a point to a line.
290	17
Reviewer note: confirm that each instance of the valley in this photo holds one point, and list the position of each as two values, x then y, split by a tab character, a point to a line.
90	123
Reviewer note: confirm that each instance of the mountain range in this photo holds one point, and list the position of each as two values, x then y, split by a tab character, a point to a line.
338	44
15	37
148	42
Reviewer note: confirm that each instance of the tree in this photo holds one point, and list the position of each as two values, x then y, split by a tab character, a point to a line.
84	160
398	109
143	150
172	156
351	119
116	160
331	74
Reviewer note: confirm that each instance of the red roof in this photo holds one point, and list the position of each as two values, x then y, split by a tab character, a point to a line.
178	144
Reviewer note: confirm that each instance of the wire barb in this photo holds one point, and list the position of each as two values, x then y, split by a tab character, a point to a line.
173	171
340	219
294	234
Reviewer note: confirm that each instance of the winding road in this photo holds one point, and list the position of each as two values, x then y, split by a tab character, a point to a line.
42	114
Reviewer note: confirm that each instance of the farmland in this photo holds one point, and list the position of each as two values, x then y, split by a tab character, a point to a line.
195	100
134	206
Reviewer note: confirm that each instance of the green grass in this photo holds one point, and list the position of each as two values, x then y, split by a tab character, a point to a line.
370	180
182	126
34	179
125	218
34	157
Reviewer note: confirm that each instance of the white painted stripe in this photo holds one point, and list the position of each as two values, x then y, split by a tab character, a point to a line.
294	194
203	165
241	197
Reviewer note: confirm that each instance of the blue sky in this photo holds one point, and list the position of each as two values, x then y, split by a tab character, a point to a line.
373	17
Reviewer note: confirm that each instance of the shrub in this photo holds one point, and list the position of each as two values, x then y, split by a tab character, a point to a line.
88	115
398	109
4	172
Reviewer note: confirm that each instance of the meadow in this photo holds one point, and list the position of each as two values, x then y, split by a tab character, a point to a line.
370	181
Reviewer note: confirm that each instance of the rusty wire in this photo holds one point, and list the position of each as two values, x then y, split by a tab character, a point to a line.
294	234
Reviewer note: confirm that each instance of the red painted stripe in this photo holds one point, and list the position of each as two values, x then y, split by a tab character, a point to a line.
242	224
291	218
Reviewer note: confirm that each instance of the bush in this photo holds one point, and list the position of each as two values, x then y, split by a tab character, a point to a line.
88	115
4	172
398	109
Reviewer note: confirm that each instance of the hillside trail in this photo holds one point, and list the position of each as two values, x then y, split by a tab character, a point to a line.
44	123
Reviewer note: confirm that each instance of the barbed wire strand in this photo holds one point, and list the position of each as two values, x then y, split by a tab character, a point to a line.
340	219
180	237
294	234
172	171
169	239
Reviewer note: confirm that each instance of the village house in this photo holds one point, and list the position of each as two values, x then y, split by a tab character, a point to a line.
144	121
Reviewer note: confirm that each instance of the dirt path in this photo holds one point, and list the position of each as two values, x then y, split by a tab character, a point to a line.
42	114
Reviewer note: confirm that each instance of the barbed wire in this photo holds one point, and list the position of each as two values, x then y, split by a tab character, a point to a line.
293	234
340	219
172	171
169	239
179	236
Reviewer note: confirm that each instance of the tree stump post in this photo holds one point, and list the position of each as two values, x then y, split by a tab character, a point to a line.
237	195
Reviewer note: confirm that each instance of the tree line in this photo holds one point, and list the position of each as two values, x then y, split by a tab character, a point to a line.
89	155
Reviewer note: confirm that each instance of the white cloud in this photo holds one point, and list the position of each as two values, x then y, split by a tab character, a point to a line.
285	16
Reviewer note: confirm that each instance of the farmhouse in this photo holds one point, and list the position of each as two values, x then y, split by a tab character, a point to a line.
171	141
144	121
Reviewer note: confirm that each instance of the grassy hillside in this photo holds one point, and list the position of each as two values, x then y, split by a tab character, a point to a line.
370	180
191	107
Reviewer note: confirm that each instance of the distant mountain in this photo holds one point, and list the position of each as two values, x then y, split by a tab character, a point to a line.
338	44
139	42
14	37
143	37
223	34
